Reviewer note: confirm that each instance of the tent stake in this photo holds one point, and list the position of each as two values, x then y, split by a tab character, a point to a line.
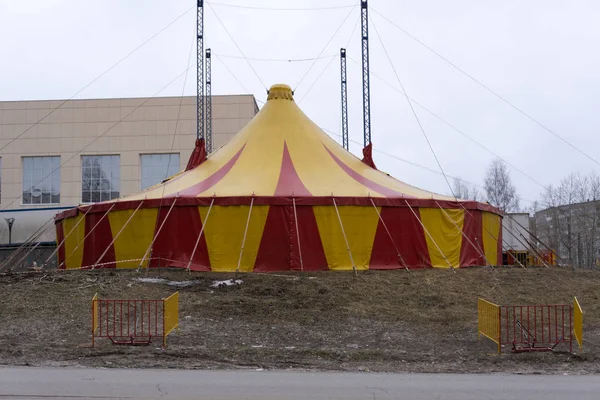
245	233
298	234
157	233
390	235
345	238
430	237
200	235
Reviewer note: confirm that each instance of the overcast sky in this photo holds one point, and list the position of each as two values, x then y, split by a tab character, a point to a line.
540	55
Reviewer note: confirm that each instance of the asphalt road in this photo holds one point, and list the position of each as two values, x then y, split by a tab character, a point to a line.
104	384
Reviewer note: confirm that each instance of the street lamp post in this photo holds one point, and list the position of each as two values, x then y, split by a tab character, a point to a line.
10	222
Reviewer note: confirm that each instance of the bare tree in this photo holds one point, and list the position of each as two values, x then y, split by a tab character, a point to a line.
594	186
534	207
499	188
461	190
571	220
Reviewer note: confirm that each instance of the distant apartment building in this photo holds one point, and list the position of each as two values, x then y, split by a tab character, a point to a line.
573	231
85	151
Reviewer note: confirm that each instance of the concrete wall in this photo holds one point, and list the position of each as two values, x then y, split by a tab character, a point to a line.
25	258
26	222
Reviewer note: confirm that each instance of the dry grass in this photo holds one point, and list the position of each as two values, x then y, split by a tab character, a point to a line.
380	320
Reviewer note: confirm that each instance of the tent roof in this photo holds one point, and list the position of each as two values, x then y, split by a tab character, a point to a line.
282	153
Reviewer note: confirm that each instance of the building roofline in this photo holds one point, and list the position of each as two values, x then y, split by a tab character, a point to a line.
127	98
570	205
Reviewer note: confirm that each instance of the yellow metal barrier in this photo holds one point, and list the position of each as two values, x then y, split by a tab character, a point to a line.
578	322
170	315
94	316
488	321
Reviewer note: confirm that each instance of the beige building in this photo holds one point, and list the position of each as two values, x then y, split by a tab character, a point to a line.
94	150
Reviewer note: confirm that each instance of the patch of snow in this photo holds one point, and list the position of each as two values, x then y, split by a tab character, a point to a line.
228	282
180	283
166	282
151	280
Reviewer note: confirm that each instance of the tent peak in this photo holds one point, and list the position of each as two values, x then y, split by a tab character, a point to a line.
280	91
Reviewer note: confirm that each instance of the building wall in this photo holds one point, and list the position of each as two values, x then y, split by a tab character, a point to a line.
573	232
126	127
515	226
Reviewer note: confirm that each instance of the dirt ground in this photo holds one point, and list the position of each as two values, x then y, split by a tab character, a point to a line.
418	321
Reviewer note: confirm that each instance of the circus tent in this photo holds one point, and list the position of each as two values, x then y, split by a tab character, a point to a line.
281	195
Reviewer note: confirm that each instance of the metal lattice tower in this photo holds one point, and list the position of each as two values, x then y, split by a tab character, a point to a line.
200	71
365	72
344	99
209	136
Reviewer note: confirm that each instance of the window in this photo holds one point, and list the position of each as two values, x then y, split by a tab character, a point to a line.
100	178
41	180
158	167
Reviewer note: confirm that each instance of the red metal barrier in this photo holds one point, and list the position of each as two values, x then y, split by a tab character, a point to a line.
536	328
133	322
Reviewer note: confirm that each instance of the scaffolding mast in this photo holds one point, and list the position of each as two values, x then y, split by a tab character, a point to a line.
365	72
344	99
200	70
209	136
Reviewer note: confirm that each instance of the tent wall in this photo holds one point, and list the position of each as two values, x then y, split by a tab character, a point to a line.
472	253
444	235
359	226
492	237
406	237
273	241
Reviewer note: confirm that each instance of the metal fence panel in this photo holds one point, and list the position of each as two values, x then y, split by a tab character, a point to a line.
170	315
578	322
134	321
536	327
488	321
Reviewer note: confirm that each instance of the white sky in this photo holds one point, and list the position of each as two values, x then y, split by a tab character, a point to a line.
541	55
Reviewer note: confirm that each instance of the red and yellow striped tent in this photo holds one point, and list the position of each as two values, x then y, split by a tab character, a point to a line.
281	195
